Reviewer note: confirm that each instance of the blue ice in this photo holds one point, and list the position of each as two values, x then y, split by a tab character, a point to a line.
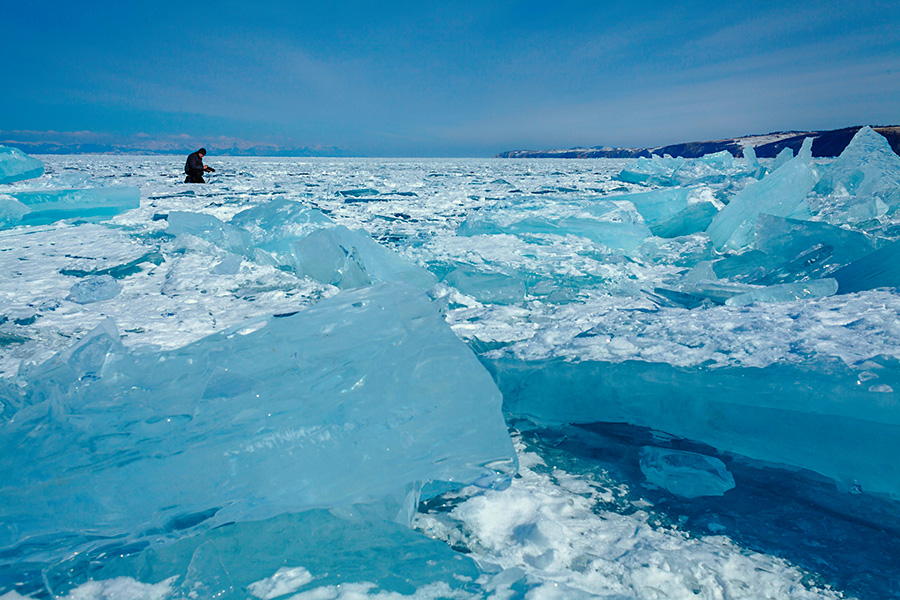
15	165
781	193
360	399
94	288
93	204
685	474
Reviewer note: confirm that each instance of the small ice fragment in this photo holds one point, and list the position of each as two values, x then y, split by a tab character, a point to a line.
685	474
286	580
94	288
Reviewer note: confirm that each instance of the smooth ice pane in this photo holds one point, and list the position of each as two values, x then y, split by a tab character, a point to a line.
658	205
785	292
356	399
789	238
781	193
348	258
685	474
694	218
15	165
878	269
94	204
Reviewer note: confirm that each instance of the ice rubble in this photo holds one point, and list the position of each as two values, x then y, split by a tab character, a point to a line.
15	165
362	397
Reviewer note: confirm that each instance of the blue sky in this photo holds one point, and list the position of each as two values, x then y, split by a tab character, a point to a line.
448	78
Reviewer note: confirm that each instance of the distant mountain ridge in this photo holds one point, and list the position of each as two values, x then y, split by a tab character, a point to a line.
86	142
825	144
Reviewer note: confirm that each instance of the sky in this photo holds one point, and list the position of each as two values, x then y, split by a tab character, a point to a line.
446	78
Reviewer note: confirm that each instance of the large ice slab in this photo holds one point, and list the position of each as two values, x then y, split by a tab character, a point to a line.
838	421
361	397
93	204
15	165
781	193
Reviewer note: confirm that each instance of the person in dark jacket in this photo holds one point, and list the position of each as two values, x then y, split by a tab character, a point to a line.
194	167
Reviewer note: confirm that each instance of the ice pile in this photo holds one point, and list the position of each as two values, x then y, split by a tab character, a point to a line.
304	241
770	242
362	398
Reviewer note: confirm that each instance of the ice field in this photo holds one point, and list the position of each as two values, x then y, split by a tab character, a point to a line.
454	378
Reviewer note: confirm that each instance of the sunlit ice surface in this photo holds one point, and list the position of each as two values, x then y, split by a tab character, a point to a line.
687	414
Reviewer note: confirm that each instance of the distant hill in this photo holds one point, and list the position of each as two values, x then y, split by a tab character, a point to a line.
825	144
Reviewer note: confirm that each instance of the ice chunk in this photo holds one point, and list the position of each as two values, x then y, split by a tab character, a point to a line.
816	416
685	474
15	165
878	269
786	292
489	286
357	399
229	266
348	259
781	193
273	225
11	211
94	204
209	228
94	288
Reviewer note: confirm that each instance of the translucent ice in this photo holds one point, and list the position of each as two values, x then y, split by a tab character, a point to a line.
785	292
878	269
685	474
348	259
94	289
209	228
94	204
867	167
487	286
781	193
15	165
823	416
357	399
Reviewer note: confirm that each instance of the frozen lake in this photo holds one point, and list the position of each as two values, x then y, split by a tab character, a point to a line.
692	416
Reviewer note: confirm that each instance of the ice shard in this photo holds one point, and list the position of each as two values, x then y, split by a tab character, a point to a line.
359	399
15	165
781	193
93	204
209	228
